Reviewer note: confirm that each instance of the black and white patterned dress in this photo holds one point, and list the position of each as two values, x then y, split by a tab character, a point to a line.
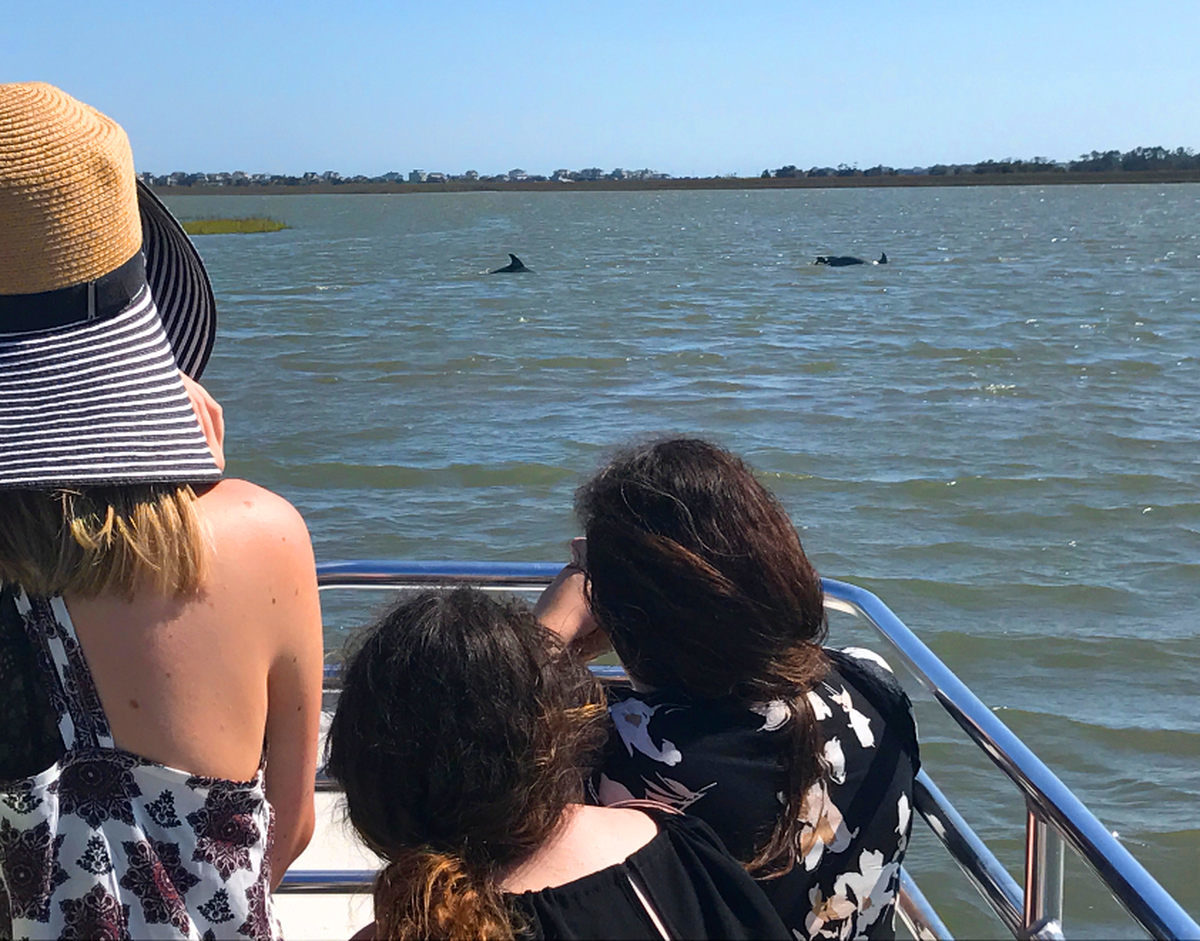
105	844
721	762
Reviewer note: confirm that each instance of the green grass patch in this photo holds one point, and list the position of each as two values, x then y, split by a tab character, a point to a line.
230	226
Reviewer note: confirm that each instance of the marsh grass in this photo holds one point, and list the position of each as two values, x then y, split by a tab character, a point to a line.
231	226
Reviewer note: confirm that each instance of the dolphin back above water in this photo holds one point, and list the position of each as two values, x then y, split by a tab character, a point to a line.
515	264
841	261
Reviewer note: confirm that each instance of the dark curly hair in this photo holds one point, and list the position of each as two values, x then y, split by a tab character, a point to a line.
462	733
697	575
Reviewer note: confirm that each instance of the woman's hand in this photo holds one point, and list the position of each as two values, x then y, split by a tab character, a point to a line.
563	607
210	415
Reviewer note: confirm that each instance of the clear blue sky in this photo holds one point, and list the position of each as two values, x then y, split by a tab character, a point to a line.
688	88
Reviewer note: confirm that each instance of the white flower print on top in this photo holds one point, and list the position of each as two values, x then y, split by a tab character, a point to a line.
834	911
870	887
609	791
664	790
862	653
775	714
823	827
632	720
858	722
904	817
835	761
675	793
820	707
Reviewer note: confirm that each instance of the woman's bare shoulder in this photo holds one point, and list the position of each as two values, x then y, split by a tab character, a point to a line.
252	514
233	494
261	545
623	830
589	839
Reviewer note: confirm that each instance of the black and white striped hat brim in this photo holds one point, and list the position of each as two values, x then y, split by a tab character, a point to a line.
103	302
179	284
98	403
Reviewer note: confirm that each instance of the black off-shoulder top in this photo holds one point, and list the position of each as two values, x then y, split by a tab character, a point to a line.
687	877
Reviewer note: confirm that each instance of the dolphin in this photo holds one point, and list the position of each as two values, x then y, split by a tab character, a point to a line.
841	261
514	265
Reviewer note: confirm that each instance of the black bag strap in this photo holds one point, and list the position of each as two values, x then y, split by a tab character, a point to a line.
30	740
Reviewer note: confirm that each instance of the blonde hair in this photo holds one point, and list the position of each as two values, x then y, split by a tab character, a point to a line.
102	540
425	894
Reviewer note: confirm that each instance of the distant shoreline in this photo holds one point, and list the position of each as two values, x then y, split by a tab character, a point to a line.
1050	178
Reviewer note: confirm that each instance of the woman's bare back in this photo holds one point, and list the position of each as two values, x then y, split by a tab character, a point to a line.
198	683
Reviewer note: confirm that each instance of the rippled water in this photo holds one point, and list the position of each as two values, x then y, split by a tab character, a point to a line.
995	432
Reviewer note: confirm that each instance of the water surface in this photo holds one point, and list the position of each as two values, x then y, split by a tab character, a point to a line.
996	432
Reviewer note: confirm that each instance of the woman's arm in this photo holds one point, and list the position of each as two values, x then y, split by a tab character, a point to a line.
563	607
273	544
288	574
210	415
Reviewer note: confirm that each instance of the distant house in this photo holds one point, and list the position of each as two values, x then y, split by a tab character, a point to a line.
435	178
417	176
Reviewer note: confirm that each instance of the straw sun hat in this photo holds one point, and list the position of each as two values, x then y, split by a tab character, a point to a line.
102	300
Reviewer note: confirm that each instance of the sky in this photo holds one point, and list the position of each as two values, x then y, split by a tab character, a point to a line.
690	89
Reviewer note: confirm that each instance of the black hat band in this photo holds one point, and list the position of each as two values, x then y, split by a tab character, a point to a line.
105	297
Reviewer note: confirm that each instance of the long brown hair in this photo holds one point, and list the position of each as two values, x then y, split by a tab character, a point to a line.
698	576
461	736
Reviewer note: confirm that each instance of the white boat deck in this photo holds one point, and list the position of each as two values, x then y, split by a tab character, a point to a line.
333	846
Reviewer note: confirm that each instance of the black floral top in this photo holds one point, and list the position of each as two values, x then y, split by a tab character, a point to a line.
105	844
721	762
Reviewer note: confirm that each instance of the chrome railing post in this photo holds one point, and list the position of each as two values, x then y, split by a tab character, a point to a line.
918	915
981	867
1043	915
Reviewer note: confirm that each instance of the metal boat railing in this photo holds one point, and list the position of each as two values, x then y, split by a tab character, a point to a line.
1055	817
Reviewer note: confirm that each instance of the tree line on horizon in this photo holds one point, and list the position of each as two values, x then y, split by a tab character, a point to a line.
1107	161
